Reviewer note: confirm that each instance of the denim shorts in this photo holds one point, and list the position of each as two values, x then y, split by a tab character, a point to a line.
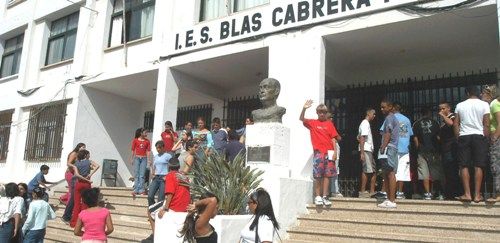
391	163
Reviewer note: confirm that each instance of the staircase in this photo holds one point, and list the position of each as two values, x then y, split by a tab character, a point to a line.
129	217
359	220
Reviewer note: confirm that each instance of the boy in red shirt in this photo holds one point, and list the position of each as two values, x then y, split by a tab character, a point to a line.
323	134
176	189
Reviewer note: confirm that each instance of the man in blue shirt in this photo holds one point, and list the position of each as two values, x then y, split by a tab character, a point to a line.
160	170
405	132
219	136
389	148
38	180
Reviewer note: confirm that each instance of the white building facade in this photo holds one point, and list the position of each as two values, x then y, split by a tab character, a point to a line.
68	76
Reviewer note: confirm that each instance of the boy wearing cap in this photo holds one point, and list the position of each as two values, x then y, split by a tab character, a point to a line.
176	190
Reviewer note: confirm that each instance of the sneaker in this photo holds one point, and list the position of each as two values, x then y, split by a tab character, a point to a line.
427	196
400	195
318	201
440	197
326	202
387	204
381	195
337	195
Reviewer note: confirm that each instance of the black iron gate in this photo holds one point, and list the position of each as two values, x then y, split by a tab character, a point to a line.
237	109
192	113
349	106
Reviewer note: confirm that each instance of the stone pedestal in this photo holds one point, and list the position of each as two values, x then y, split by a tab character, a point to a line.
268	143
268	150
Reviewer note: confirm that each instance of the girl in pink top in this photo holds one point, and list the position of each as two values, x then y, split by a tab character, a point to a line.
96	221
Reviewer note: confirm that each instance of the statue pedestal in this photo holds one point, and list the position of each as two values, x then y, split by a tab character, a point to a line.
268	150
268	143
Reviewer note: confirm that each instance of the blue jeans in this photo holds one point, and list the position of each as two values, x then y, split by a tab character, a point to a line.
34	236
68	211
140	164
157	186
6	231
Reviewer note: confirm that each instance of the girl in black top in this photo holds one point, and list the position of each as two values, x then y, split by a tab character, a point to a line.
197	228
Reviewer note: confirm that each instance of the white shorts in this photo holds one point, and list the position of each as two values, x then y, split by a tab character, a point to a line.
403	173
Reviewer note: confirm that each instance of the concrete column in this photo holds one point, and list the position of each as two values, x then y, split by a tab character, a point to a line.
298	63
167	97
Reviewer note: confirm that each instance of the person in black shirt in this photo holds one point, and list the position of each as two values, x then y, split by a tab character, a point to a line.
448	149
426	142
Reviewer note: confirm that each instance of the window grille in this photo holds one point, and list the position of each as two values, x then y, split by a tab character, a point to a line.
149	118
191	113
5	123
45	133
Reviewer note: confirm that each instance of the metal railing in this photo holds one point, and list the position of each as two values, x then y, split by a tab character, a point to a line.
236	110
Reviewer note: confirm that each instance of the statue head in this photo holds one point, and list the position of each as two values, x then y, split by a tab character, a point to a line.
269	89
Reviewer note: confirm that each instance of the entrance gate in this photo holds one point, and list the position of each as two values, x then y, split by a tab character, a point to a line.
348	106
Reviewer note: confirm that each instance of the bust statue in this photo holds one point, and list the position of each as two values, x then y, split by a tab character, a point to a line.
269	90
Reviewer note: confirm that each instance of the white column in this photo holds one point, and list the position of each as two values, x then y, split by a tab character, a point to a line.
299	64
167	97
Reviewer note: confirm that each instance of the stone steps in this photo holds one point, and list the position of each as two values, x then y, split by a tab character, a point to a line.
128	214
360	220
313	220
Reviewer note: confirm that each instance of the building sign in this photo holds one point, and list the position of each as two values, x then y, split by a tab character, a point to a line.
271	18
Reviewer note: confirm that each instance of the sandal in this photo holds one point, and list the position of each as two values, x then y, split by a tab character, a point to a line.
480	200
463	199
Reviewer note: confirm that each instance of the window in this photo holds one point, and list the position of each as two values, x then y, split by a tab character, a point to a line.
11	56
45	133
211	9
62	39
5	122
149	119
139	15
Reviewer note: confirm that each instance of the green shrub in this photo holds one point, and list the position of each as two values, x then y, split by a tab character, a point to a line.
231	182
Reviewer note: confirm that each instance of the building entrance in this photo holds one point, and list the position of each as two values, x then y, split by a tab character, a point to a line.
349	105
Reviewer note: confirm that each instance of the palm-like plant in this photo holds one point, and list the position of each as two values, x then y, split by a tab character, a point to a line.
231	182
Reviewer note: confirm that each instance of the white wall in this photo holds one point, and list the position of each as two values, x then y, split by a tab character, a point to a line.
106	123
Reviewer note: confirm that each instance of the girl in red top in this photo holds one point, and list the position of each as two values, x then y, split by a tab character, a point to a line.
141	151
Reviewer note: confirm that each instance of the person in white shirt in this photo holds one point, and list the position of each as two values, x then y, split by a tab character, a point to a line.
263	224
365	139
471	127
11	208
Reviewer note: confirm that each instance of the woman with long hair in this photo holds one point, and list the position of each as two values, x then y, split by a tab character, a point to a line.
203	135
263	224
141	154
70	179
197	228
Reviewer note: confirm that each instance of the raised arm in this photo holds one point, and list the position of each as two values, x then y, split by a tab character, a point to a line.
210	204
95	166
304	108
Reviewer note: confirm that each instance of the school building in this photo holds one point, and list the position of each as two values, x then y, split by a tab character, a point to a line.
94	71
